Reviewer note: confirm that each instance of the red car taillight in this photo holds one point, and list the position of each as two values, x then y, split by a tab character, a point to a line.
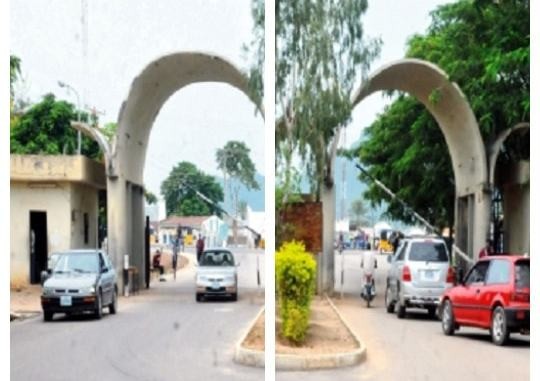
406	274
520	297
451	275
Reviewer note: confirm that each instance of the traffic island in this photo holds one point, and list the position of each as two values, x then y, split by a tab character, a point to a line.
330	343
250	349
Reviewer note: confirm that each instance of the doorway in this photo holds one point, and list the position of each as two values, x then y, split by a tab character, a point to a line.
38	245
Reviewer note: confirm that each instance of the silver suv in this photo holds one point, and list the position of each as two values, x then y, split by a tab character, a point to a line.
419	273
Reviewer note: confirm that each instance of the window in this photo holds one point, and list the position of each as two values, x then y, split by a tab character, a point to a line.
217	258
81	263
401	251
427	251
478	273
523	274
86	227
499	272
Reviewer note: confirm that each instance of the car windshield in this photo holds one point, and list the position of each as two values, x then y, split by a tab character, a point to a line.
79	263
523	273
217	258
428	252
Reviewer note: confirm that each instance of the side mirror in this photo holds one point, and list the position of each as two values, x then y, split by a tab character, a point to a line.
104	269
44	276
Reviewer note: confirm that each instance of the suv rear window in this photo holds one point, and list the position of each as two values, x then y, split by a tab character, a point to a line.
428	252
523	274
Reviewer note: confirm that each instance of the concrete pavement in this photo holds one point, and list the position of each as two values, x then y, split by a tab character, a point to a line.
160	334
414	348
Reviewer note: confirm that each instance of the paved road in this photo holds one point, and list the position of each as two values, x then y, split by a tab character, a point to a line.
161	334
415	348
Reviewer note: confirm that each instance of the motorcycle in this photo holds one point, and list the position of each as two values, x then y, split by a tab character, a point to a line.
368	291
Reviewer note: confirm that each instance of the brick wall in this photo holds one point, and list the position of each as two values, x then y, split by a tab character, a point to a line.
305	221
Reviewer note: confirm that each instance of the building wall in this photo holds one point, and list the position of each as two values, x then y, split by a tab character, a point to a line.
517	219
84	200
25	197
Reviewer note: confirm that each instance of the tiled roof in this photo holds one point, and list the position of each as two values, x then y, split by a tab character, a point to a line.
174	221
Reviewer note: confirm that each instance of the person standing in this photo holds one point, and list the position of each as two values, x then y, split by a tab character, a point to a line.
200	247
486	250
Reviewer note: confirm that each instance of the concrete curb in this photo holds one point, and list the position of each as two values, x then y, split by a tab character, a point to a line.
285	362
324	361
246	356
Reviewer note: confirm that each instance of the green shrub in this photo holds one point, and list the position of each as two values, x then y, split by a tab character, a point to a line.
296	271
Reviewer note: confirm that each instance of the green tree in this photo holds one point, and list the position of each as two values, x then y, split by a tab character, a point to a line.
179	190
14	72
484	47
150	197
359	213
46	129
234	161
321	54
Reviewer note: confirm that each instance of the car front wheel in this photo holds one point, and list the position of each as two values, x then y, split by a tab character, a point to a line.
499	328
448	322
99	307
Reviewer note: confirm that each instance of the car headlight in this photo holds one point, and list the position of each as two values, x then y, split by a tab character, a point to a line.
48	291
88	290
202	278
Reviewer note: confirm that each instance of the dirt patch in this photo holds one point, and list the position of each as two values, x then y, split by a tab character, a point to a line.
326	334
255	338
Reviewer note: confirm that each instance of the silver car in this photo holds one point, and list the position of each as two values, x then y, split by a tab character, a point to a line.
419	273
216	275
81	280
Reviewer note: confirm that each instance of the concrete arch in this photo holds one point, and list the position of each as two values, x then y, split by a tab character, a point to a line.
448	105
148	93
150	90
495	148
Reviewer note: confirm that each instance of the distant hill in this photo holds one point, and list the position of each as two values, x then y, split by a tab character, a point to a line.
254	198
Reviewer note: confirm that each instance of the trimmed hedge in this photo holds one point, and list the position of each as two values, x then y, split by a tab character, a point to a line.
296	271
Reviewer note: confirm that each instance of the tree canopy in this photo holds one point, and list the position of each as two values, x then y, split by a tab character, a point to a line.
179	190
484	47
321	54
234	161
46	129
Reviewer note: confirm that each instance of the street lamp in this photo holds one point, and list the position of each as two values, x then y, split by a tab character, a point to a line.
71	89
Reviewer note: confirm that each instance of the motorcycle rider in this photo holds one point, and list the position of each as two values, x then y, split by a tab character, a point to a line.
369	264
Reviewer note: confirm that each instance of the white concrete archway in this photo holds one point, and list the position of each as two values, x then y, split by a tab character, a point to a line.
148	93
448	105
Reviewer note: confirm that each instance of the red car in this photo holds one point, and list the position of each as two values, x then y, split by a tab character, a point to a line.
494	295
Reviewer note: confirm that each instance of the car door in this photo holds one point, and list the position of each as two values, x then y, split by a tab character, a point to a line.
497	286
466	305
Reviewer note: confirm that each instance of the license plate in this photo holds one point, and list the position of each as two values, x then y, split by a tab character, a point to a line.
65	301
429	275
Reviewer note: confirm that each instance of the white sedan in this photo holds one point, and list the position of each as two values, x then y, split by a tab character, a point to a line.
216	275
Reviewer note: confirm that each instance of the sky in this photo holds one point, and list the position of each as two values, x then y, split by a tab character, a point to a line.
125	36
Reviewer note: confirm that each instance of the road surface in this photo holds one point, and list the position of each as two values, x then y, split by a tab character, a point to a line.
414	348
161	334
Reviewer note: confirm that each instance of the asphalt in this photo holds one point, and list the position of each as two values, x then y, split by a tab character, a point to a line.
160	334
414	348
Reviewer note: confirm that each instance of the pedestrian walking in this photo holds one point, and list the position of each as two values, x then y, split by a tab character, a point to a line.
156	263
